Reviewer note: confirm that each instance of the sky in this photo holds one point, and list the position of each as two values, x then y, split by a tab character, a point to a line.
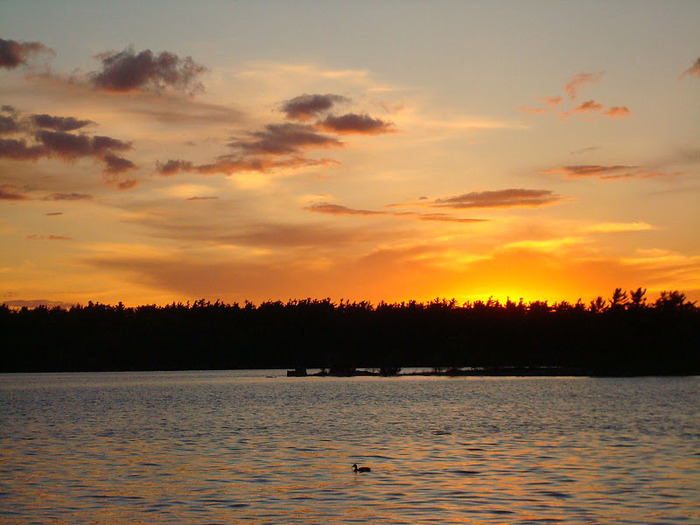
157	152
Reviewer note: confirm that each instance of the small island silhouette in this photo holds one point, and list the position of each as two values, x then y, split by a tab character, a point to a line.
623	336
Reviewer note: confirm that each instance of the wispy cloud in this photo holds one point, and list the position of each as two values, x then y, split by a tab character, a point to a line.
607	172
544	246
619	227
37	237
68	197
7	194
532	110
443	217
230	164
283	139
573	86
617	111
692	71
336	209
197	198
508	198
550	103
553	101
591	106
587	149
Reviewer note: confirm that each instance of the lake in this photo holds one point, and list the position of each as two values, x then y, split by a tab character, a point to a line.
254	446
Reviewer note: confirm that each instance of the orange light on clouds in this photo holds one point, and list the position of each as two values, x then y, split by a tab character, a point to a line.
281	169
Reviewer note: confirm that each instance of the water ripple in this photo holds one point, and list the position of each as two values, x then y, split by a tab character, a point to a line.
214	447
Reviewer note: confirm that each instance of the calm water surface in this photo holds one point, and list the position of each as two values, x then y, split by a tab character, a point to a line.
227	447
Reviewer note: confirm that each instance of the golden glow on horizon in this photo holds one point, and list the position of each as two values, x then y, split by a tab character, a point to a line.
280	170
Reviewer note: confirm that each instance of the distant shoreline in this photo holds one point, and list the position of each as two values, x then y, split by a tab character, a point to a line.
500	372
264	373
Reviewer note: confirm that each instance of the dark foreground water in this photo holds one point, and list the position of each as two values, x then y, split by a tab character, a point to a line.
227	447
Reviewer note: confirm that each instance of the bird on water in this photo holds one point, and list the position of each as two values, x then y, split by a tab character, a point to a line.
361	469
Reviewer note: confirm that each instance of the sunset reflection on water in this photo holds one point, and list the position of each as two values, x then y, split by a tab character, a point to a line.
203	447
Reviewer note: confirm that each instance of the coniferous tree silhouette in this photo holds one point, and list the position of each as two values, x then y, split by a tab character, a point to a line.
626	335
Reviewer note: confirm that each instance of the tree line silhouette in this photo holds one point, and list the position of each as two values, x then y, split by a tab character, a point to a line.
624	335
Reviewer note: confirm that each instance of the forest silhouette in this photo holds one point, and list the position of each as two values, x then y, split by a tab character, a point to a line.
622	336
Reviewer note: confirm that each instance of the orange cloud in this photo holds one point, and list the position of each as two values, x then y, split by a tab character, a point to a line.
617	111
573	86
607	172
550	103
553	101
589	105
591	170
692	71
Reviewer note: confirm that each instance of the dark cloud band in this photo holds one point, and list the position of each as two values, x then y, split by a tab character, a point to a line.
349	123
499	199
46	136
58	123
283	139
305	107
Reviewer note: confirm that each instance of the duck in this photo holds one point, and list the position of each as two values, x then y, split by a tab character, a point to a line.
361	469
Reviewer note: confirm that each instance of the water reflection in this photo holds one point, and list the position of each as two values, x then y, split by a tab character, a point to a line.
209	447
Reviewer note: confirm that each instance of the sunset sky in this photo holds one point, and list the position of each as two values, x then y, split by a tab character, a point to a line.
153	152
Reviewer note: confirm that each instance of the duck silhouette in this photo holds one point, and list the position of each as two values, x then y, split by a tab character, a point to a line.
361	469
